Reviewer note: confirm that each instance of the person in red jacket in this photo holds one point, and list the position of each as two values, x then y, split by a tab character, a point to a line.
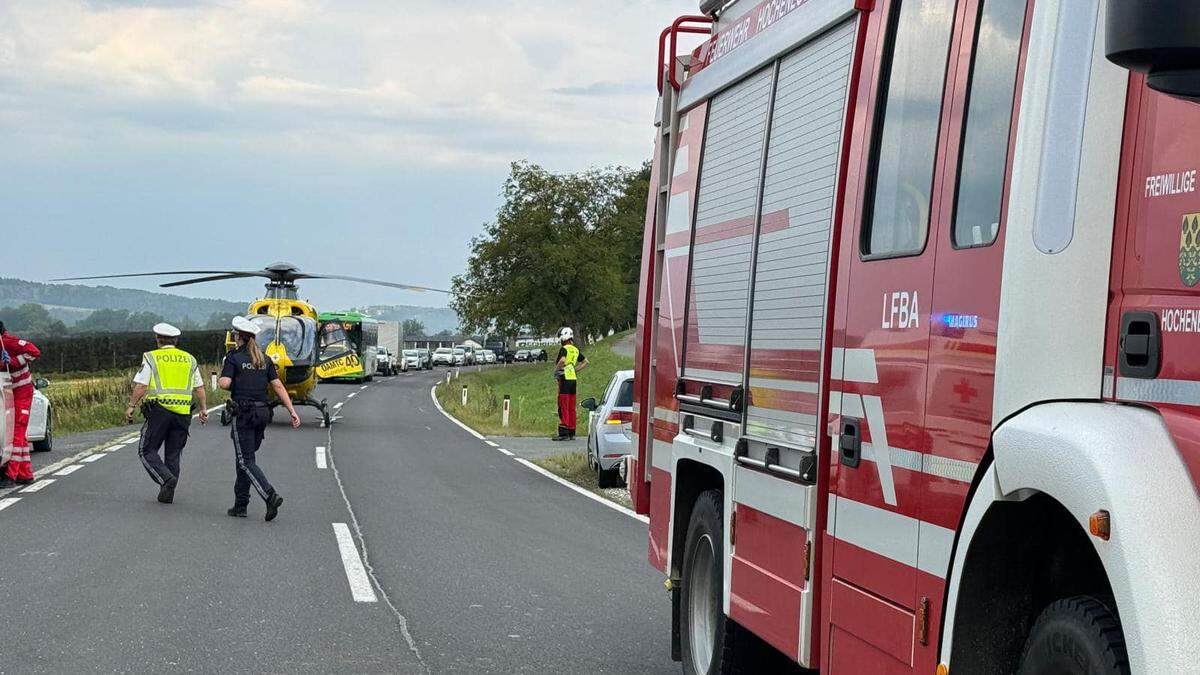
20	354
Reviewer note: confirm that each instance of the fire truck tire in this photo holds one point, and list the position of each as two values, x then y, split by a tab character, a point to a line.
711	643
1078	635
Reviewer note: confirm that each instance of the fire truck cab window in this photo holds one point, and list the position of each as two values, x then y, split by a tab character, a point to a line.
989	117
906	141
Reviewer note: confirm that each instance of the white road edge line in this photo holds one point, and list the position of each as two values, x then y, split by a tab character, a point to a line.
8	501
69	470
321	464
590	495
356	574
493	444
39	486
469	430
95	457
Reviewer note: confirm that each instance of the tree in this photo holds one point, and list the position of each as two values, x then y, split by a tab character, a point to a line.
546	262
412	328
443	335
117	321
218	321
31	319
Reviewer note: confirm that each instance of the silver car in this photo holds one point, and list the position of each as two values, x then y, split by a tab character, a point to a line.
411	360
443	356
609	421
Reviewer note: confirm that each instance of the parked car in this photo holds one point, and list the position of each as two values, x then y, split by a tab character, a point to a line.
537	354
411	360
609	429
460	356
443	356
426	358
488	355
40	432
385	362
522	355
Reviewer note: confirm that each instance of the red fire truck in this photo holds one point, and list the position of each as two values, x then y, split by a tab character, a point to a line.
918	386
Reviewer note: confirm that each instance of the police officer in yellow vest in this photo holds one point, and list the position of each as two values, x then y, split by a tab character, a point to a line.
167	385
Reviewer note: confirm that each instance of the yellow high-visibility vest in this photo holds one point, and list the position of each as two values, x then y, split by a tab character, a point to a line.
569	361
171	374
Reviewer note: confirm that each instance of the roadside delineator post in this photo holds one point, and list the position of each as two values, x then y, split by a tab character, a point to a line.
504	421
464	395
213	380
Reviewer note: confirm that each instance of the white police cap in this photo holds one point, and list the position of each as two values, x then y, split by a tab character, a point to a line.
166	330
244	325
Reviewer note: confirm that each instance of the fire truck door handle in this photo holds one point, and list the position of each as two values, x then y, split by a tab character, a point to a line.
1141	345
850	442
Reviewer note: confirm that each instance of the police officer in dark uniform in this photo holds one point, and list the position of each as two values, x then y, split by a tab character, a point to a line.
246	375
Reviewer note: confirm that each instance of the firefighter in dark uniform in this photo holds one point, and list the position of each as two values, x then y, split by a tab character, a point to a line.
247	374
570	361
167	385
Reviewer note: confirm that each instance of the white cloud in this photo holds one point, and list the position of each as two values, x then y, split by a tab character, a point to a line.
564	83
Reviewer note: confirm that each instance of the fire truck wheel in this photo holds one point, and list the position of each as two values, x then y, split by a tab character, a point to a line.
1078	635
711	643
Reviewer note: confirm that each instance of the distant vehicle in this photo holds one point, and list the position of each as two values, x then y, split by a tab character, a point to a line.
609	429
460	356
468	355
358	333
522	355
426	358
385	362
411	360
537	354
488	355
508	356
443	356
40	432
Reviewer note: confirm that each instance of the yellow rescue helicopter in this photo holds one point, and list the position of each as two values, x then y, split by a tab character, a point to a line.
289	328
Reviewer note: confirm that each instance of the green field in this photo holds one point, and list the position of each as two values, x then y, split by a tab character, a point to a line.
532	390
89	401
574	467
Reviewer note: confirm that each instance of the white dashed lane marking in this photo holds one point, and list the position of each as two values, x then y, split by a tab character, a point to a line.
321	464
69	470
352	394
356	574
39	486
8	501
92	458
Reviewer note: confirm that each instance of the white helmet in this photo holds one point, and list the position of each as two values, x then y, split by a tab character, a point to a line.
566	334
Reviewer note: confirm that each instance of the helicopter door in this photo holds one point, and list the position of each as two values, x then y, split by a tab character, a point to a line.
337	356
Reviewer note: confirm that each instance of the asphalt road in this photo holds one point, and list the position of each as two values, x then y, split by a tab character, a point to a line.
473	562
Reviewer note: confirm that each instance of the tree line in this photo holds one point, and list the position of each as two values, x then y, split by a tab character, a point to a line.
33	320
563	250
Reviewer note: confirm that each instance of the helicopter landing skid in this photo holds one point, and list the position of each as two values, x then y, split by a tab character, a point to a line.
319	405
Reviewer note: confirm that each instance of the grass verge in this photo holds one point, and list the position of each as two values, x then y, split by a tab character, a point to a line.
573	466
532	391
90	401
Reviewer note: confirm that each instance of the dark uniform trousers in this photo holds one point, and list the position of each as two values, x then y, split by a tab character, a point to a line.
248	430
163	428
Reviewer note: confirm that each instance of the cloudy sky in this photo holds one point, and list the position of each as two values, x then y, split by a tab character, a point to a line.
346	136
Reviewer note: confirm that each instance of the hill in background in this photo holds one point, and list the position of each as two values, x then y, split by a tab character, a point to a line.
73	303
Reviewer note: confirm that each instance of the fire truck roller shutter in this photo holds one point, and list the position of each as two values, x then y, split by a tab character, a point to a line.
715	334
791	268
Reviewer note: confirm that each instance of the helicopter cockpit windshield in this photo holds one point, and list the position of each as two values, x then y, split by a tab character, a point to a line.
297	334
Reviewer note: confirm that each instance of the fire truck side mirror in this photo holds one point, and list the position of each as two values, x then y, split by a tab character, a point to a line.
1160	39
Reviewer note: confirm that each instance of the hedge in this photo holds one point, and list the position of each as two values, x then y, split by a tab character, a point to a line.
120	351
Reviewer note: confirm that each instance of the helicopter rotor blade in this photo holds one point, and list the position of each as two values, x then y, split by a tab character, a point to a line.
157	274
389	284
215	277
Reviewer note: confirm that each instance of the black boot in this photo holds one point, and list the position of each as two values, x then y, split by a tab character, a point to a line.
563	434
166	494
6	482
236	512
273	503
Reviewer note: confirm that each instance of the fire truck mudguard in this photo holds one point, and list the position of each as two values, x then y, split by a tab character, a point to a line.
1054	466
